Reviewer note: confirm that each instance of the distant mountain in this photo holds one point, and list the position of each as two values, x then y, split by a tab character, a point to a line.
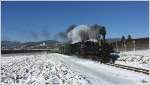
10	44
47	42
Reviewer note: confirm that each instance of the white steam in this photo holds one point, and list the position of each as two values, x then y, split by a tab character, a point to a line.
82	32
74	35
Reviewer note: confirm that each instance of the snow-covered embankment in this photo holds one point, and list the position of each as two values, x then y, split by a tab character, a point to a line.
139	59
58	69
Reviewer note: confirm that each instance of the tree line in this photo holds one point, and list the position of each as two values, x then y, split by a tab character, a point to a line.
126	42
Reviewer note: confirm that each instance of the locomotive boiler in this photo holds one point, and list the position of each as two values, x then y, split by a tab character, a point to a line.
97	51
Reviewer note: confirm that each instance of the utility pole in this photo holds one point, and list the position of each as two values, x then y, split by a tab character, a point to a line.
124	45
134	45
117	46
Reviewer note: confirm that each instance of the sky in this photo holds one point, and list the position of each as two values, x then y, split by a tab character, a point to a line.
34	21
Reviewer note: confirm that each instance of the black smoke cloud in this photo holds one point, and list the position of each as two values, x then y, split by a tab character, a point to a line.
70	28
34	34
39	35
81	32
45	33
61	36
84	35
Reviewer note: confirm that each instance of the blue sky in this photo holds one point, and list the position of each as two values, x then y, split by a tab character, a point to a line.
34	21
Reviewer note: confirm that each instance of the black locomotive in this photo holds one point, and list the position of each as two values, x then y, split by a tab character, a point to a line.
90	50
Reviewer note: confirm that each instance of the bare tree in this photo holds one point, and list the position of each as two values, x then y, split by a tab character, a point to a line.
123	40
129	37
129	42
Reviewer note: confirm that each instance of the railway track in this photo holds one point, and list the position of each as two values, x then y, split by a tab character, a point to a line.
139	70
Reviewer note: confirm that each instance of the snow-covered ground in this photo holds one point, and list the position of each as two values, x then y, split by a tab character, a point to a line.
138	59
58	69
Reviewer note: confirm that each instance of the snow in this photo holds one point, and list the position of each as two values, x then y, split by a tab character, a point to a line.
138	59
38	70
58	69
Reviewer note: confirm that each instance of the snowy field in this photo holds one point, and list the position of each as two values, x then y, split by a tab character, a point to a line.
138	59
58	69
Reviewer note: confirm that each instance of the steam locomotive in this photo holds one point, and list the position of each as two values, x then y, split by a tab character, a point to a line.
97	51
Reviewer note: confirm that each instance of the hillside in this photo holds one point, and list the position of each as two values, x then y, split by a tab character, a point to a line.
19	45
